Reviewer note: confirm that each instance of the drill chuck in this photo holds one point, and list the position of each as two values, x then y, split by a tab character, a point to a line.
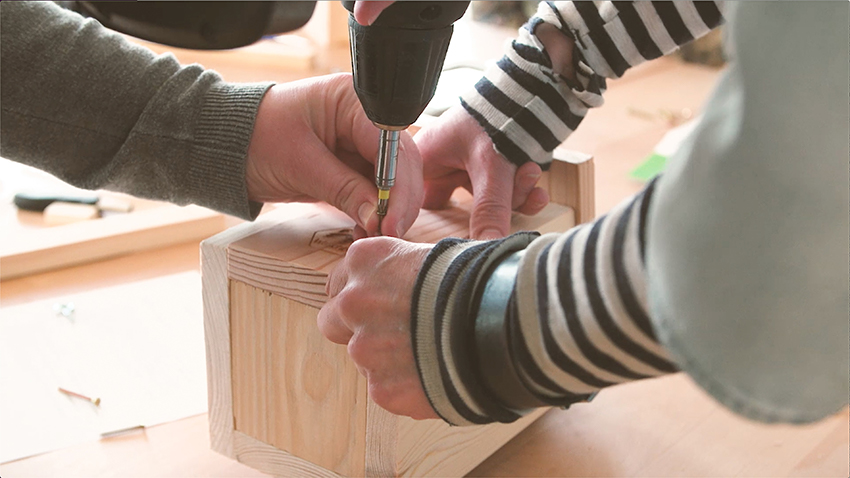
387	159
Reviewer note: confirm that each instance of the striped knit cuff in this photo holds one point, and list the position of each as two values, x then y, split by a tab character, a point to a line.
220	149
580	322
443	313
576	322
612	37
525	107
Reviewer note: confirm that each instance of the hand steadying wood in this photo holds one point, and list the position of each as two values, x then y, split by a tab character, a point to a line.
371	316
328	154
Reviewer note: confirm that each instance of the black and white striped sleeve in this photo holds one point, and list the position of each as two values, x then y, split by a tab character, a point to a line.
577	317
527	109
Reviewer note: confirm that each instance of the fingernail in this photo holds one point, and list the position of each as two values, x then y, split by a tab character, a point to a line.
399	230
365	212
531	178
489	234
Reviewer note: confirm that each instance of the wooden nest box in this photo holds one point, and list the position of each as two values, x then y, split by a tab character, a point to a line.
288	402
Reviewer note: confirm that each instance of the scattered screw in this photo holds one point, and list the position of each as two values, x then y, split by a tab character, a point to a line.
64	309
95	401
123	431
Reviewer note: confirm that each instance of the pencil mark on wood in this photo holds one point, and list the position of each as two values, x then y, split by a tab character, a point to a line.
333	240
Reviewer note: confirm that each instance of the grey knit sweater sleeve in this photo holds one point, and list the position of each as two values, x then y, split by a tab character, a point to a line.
82	103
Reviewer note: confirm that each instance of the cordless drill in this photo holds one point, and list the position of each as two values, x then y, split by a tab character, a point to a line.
396	62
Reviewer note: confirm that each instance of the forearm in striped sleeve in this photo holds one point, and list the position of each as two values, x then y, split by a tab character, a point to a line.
576	320
527	109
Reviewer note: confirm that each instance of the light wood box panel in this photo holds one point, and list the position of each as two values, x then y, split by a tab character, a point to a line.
288	402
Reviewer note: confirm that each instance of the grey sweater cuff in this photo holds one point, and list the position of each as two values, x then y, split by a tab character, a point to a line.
220	148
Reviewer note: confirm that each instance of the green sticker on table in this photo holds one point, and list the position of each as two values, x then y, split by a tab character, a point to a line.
652	166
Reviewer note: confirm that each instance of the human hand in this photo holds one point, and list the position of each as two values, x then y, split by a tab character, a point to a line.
457	152
369	310
312	141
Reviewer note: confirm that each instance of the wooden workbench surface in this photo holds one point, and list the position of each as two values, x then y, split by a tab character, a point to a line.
659	427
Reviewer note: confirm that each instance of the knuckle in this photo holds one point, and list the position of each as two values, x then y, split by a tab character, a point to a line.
357	249
325	325
383	396
371	349
358	254
367	251
336	83
490	219
349	303
492	209
331	327
360	350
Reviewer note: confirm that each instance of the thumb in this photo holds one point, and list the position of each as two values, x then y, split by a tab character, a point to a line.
491	206
333	181
367	12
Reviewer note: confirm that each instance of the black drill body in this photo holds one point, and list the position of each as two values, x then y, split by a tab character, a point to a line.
396	62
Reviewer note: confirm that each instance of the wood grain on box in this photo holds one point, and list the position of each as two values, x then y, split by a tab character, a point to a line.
285	400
